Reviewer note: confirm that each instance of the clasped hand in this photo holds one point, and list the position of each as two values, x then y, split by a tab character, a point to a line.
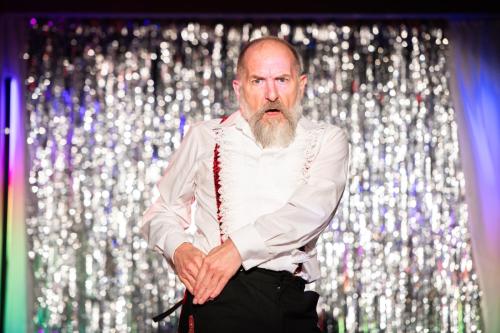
206	275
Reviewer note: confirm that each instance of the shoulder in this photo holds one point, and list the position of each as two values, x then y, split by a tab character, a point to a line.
329	132
335	133
331	139
203	129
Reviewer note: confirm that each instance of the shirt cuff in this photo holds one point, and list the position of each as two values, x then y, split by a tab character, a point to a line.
172	242
253	251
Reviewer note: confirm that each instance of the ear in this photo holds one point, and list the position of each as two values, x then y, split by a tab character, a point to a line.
302	84
236	88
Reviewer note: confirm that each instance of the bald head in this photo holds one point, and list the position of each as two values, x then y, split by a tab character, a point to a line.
259	42
269	87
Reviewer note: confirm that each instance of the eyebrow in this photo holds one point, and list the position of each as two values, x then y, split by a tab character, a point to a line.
254	76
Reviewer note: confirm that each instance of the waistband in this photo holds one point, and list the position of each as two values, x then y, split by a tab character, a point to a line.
270	276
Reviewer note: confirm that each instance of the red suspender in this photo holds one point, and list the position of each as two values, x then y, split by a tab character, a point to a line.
216	170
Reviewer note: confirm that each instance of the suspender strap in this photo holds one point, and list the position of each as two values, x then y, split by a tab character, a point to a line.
217	185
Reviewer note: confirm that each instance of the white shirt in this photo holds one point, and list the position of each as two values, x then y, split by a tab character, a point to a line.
273	200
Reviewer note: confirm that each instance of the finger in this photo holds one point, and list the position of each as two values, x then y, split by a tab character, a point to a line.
205	289
191	281
200	294
189	276
188	285
186	272
218	288
192	270
200	278
198	261
208	288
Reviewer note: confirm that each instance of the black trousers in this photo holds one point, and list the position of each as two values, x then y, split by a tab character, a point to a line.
257	300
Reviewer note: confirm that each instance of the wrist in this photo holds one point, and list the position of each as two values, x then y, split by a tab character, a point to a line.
183	246
230	244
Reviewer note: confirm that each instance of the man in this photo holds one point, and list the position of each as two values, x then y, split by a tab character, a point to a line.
266	183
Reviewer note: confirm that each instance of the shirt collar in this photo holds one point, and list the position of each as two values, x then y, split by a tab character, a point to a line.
236	119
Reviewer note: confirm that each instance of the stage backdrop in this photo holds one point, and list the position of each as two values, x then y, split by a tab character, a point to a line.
107	103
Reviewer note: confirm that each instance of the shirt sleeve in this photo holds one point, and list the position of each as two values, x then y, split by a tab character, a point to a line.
165	222
308	211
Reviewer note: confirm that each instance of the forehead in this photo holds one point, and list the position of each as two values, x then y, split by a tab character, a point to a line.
269	58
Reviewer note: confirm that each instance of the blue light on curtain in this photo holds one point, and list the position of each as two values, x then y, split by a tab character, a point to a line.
476	54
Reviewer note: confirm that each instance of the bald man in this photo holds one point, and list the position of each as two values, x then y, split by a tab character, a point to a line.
266	183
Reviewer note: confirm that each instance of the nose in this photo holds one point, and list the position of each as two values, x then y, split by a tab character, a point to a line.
271	91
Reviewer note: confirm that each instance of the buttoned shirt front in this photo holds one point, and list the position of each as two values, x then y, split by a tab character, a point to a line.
275	202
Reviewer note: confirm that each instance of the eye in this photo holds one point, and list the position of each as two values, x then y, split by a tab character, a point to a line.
256	81
282	79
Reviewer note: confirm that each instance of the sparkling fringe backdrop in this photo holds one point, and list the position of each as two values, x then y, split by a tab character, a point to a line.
108	102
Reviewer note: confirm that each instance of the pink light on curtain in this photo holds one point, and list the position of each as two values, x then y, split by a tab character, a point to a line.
476	54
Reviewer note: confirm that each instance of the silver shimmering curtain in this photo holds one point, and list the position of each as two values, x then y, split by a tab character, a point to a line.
108	102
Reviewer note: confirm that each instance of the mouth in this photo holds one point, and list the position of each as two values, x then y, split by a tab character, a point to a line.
272	111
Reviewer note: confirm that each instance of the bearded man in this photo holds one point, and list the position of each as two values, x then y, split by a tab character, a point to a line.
266	183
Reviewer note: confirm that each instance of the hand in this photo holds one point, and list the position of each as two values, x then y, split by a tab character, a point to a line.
217	268
187	261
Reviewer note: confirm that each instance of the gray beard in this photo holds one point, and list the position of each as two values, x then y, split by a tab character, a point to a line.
272	133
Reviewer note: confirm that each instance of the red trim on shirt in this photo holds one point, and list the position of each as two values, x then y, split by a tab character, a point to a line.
216	171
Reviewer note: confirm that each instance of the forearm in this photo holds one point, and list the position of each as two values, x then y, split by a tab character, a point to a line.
164	228
165	222
164	237
306	214
285	230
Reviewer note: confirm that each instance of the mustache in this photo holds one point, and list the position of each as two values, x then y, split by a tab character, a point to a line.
275	105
